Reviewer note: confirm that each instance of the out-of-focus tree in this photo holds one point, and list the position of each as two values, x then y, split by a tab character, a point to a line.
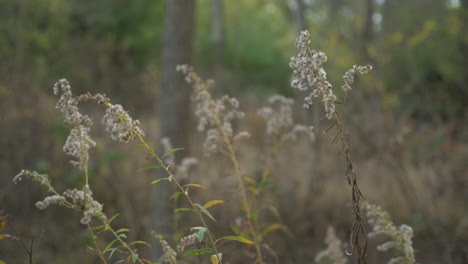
217	25
174	101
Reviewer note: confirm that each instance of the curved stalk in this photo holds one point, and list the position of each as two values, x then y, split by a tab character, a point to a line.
181	189
244	199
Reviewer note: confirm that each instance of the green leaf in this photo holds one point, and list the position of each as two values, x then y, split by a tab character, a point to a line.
211	203
199	251
113	251
112	218
123	235
134	257
271	228
158	180
183	209
110	245
170	151
98	227
195	185
201	232
122	230
151	167
236	238
176	195
203	209
140	242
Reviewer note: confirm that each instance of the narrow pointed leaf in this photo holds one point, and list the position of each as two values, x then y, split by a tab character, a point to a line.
211	203
183	209
199	251
112	218
272	228
140	242
98	227
109	245
158	180
203	209
170	151
151	167
236	238
195	185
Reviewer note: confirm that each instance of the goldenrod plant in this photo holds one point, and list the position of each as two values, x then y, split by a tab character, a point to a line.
215	118
309	75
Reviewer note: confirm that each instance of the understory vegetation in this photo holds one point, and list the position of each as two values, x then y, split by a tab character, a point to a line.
204	232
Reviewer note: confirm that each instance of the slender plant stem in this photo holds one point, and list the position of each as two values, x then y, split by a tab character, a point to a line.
181	189
123	243
244	199
99	252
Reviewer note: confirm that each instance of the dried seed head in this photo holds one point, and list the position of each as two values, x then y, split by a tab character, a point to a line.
120	125
334	253
49	200
348	77
400	238
170	255
183	169
186	242
309	75
68	105
215	116
279	118
41	178
90	207
78	144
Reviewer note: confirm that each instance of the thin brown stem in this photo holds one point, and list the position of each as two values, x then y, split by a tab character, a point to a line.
181	189
123	243
244	199
99	252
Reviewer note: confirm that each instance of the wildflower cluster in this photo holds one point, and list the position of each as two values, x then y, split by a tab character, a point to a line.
348	77
170	255
87	204
53	199
83	200
334	251
399	237
279	119
78	142
186	242
215	116
310	75
40	178
120	125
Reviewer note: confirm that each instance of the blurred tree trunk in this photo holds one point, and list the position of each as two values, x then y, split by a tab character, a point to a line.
464	44
217	37
334	7
368	49
174	101
301	23
368	32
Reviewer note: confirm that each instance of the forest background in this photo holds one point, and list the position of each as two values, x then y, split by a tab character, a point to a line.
407	118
